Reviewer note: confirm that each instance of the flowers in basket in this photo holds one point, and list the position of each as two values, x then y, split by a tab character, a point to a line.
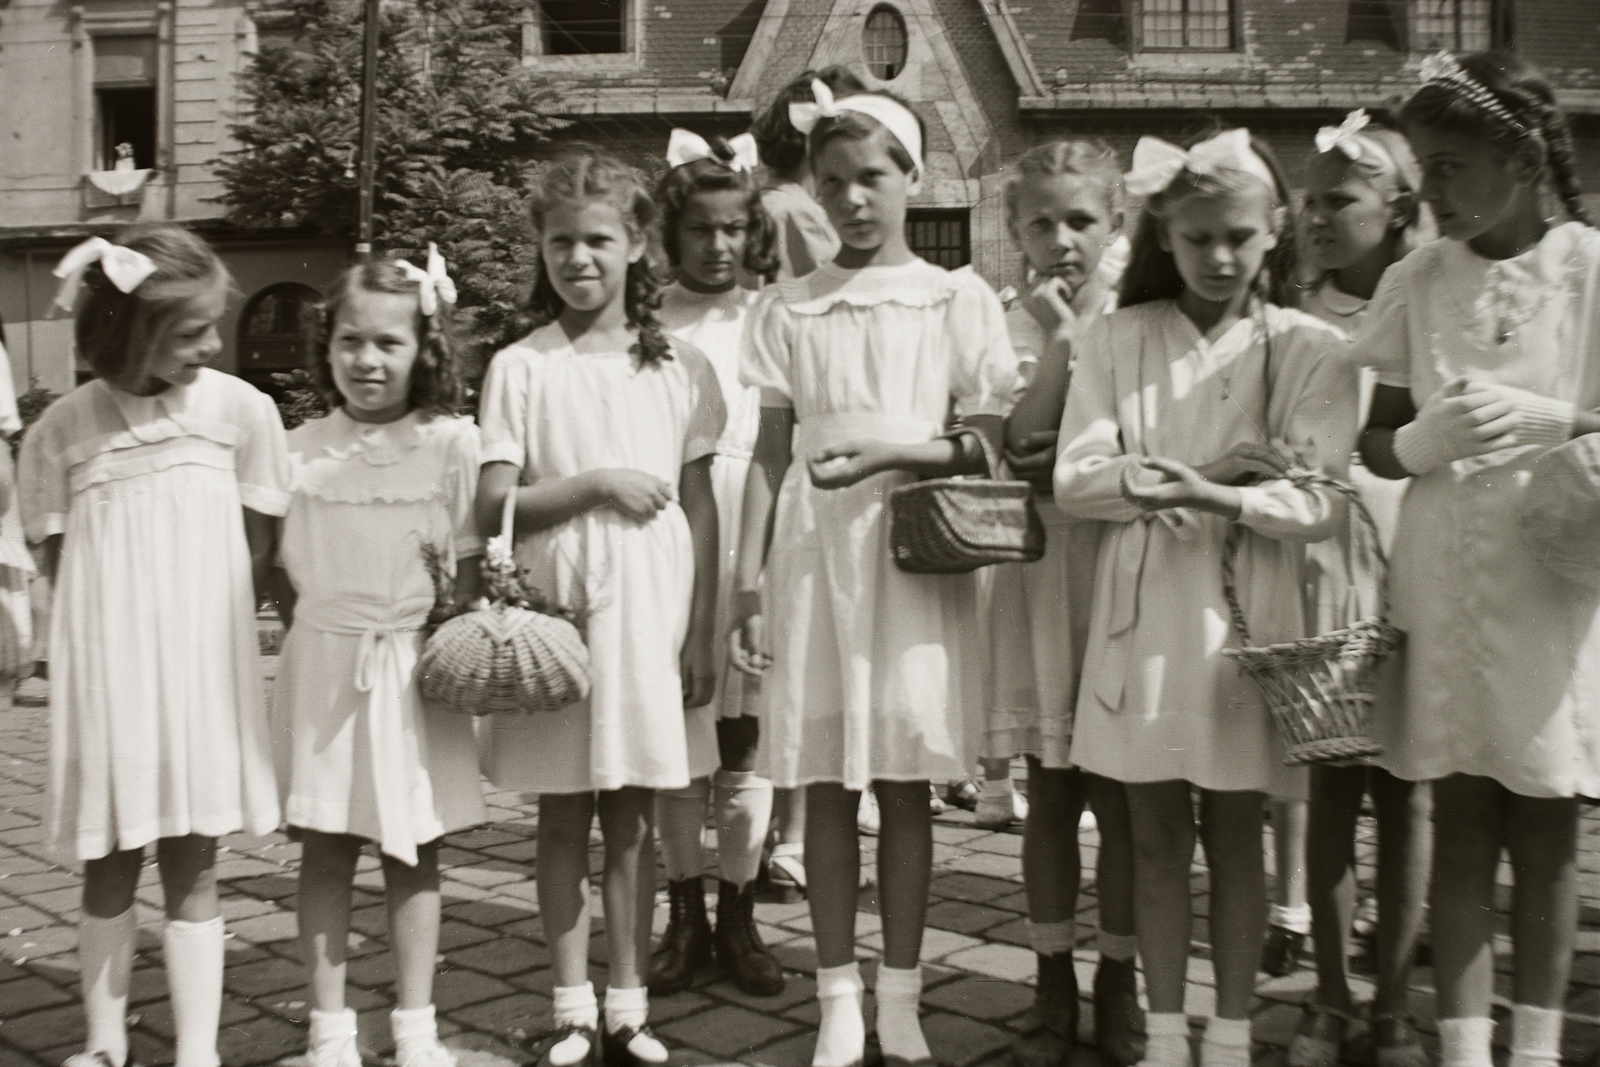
515	652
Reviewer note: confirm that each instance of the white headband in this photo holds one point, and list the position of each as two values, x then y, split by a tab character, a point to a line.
125	268
890	114
433	285
686	147
1156	162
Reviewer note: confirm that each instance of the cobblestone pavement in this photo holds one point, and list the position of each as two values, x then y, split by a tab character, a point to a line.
493	988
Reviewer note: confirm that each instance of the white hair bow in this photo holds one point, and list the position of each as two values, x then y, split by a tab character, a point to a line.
1157	162
687	147
124	267
1343	136
804	117
434	284
889	114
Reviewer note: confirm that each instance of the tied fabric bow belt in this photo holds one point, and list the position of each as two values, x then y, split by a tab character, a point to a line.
1127	576
385	663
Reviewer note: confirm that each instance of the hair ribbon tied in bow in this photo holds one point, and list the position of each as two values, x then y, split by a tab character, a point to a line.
685	146
1156	162
1345	136
434	284
888	113
124	267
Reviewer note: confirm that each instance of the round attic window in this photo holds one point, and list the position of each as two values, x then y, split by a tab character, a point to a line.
883	43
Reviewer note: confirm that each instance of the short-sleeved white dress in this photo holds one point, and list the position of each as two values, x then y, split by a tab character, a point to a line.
557	413
876	674
1503	654
805	236
715	324
358	750
1158	700
158	724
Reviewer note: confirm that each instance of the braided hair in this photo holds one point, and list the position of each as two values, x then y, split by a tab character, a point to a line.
1528	95
584	172
715	176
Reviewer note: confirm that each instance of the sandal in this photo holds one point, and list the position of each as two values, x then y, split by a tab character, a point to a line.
1319	1037
1395	1042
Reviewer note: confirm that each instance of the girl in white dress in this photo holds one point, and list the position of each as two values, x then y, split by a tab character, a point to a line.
613	427
1361	214
869	671
1487	347
1064	207
154	491
1201	384
712	228
389	473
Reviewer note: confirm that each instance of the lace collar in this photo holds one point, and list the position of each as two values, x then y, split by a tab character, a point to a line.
375	444
915	284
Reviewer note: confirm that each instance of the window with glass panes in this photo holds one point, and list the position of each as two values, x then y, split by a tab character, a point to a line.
582	27
940	236
1203	25
1460	25
883	43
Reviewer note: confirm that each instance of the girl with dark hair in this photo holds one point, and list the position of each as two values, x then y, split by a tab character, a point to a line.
612	426
713	229
389	472
1197	389
1486	346
154	490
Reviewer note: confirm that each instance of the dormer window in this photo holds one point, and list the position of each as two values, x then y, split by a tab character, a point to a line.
883	43
1461	25
1186	25
582	27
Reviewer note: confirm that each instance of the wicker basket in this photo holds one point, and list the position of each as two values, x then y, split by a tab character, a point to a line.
1319	689
505	658
956	525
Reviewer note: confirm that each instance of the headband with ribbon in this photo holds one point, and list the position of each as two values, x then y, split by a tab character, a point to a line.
124	268
1344	137
890	114
686	147
1443	70
433	285
1156	162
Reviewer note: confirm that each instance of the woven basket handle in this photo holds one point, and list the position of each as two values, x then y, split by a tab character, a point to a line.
1230	552
990	457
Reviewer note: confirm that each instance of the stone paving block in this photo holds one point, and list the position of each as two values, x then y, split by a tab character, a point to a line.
37	1031
263	1040
10	1057
266	928
988	864
22	917
962	917
979	889
728	1031
42	881
988	999
1001	844
516	1016
962	1041
936	944
235	907
64	901
266	886
1275	1024
459	988
790	1052
272	975
689	1002
501	956
30	994
1006	962
489	914
797	988
39	943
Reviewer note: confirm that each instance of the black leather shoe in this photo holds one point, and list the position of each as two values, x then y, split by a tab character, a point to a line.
1280	955
686	946
588	1033
752	967
1051	1025
1119	1031
615	1047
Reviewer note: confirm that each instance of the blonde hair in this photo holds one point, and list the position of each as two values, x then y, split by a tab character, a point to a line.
1389	166
1091	159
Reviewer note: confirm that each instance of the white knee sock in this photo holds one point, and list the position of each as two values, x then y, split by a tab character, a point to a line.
1296	920
194	975
105	960
1226	1044
680	820
1167	1042
1535	1036
573	1005
842	1034
1052	939
744	810
1123	947
1465	1042
630	1008
899	995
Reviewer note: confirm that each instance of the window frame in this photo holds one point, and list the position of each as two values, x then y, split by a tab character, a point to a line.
243	338
87	27
899	18
631	57
1501	28
1139	45
961	215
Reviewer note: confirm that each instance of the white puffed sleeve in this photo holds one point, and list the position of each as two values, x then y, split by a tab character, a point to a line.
1383	340
461	483
261	462
708	413
1091	460
41	477
503	410
768	350
983	367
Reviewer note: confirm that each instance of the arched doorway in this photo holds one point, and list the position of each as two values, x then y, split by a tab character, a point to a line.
276	332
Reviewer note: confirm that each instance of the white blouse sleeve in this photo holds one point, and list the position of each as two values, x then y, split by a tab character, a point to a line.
461	473
983	368
1089	465
262	459
41	478
1383	340
708	413
768	350
503	410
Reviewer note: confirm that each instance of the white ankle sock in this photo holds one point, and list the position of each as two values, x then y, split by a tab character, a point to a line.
744	811
105	960
627	1008
1167	1041
1052	939
1465	1042
194	975
573	1005
842	1034
1296	919
1123	947
330	1026
1535	1036
1226	1043
899	996
415	1030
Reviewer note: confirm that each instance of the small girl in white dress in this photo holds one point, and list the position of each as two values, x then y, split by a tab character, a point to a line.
389	473
1195	388
154	490
1487	348
612	426
869	672
712	229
